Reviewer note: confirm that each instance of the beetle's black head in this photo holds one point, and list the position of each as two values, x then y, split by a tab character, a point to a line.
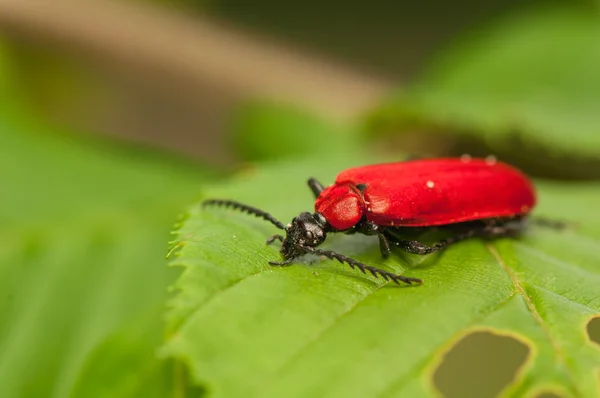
305	230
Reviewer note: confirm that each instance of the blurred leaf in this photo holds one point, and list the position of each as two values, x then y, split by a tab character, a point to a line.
6	74
266	131
82	275
245	328
526	88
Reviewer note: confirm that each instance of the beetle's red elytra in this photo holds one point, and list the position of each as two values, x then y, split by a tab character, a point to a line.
426	192
477	197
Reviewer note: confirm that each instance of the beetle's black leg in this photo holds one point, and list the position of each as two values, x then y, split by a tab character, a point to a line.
274	238
494	229
370	228
363	267
384	245
549	223
281	263
416	247
315	186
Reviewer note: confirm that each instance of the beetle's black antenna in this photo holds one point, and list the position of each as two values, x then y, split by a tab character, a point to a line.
245	208
363	267
315	186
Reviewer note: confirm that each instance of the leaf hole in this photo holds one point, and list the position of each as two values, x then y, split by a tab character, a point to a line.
593	329
480	364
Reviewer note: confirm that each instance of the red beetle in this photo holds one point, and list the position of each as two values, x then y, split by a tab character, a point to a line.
478	197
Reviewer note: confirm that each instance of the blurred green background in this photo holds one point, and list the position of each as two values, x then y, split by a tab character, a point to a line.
114	115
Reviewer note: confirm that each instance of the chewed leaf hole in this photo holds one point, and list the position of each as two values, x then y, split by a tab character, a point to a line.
480	365
593	329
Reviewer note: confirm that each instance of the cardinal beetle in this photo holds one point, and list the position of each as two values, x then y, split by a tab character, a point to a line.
482	197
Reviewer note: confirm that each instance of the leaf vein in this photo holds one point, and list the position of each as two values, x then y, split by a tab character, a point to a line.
533	310
586	306
556	261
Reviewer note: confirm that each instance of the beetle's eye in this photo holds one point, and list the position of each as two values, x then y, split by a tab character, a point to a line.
309	235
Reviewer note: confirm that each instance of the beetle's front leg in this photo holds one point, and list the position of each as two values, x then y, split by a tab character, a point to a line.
384	245
370	228
283	263
274	238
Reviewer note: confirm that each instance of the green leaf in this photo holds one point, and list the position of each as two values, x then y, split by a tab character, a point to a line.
245	328
263	130
82	277
529	80
5	71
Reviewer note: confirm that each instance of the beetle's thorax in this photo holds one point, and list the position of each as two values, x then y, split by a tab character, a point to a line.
342	205
305	230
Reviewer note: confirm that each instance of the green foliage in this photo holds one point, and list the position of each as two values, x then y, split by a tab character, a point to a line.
525	89
83	284
5	72
245	328
82	275
264	131
529	81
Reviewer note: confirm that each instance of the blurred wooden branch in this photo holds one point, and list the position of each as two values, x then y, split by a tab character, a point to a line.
219	62
196	48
